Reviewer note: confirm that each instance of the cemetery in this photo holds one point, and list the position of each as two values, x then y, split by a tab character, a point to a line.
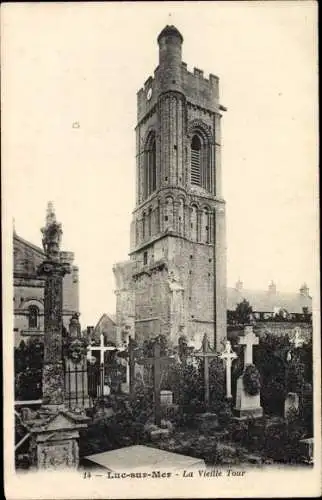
99	404
224	395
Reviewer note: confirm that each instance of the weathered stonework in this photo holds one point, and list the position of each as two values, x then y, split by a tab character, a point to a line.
178	228
54	440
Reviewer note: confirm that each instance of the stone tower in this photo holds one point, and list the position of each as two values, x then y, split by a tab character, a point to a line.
178	248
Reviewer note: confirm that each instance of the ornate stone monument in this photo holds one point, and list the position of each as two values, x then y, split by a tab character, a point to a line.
54	431
248	384
76	379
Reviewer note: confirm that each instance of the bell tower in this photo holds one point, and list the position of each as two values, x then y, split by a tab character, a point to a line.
178	248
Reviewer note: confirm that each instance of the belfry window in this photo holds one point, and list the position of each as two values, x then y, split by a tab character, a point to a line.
196	160
150	176
201	173
33	314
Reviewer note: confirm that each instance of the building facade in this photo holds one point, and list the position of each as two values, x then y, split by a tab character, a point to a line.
175	281
28	296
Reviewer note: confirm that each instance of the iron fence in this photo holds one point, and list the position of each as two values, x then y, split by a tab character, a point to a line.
83	385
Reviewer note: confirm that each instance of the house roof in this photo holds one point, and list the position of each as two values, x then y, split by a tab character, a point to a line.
104	317
266	301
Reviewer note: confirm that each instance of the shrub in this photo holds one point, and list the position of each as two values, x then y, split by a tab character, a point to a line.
251	380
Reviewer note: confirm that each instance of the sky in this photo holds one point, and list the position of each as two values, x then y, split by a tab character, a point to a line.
70	77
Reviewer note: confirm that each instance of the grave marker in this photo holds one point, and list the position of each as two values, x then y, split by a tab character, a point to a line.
102	349
297	339
247	404
207	354
158	363
228	355
248	340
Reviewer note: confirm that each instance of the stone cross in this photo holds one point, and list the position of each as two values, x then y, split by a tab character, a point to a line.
297	340
158	363
248	340
101	348
228	355
131	365
52	270
207	354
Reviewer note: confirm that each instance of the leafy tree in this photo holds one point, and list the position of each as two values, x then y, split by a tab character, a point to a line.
244	313
28	369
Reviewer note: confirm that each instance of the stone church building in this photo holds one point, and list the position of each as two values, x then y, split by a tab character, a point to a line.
28	299
175	280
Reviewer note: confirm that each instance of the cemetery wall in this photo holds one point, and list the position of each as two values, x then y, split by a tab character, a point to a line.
275	328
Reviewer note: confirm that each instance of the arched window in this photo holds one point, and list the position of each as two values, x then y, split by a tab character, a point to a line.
200	157
33	315
150	174
196	160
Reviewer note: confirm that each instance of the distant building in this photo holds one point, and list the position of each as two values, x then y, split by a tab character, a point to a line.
106	326
269	304
28	297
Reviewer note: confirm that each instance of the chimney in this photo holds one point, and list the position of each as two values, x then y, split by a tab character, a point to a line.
304	290
272	287
239	285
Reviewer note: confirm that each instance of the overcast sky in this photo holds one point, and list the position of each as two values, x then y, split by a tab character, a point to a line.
71	73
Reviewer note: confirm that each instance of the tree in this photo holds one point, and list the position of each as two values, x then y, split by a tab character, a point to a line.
28	369
244	313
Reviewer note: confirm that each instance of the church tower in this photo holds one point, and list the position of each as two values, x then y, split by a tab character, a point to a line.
177	273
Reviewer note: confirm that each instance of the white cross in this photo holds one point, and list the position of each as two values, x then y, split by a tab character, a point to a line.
228	355
101	348
297	340
249	339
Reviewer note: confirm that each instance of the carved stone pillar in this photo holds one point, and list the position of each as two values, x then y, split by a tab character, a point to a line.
53	271
54	431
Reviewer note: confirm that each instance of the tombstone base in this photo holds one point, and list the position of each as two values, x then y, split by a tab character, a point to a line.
247	406
159	434
247	413
54	439
306	446
207	421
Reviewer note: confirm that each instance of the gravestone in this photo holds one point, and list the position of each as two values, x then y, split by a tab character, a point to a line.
168	408
206	353
207	421
247	405
307	449
166	397
158	362
291	404
297	339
